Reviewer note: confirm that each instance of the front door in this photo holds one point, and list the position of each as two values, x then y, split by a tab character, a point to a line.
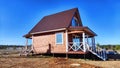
76	43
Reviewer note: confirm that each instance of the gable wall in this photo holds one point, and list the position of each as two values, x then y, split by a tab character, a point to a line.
46	43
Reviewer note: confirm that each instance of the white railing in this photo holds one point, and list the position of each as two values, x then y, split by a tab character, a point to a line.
75	46
101	53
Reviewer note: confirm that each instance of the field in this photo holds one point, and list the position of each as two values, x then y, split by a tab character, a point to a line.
11	59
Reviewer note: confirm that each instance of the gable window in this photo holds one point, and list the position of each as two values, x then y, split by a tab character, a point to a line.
59	38
74	22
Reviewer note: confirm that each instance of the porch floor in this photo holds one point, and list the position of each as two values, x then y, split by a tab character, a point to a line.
77	52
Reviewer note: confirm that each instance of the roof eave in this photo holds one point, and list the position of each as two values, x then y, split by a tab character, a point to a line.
48	31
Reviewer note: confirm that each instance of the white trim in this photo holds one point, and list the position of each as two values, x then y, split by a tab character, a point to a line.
66	41
56	37
49	31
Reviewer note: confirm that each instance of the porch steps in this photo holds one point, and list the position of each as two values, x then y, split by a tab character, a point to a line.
26	52
99	53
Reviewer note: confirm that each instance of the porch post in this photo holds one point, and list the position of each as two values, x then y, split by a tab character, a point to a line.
66	41
87	39
83	34
26	44
66	44
93	43
32	44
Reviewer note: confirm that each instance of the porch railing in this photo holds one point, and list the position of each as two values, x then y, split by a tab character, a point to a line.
99	52
78	46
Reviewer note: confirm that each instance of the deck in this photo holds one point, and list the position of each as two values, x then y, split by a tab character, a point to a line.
76	52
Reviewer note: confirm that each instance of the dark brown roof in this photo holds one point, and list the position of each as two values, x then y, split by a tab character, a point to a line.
56	21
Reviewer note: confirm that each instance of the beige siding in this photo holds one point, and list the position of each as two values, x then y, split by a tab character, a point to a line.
46	43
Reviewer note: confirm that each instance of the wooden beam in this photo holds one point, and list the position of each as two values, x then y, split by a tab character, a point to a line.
72	32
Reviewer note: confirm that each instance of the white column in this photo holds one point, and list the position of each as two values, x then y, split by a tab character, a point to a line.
83	34
66	41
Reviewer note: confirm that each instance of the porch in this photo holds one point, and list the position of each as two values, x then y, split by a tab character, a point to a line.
81	40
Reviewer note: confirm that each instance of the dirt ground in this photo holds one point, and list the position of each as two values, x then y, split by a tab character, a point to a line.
105	64
8	60
51	62
43	63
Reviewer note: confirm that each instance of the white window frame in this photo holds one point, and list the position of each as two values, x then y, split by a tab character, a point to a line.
56	37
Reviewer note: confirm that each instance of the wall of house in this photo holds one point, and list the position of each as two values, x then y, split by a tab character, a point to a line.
46	44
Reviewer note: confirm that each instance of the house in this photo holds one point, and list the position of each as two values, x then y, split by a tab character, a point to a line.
63	33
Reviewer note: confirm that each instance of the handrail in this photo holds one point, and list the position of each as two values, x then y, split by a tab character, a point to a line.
99	52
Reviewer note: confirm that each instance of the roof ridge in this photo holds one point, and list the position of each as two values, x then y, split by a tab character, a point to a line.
61	12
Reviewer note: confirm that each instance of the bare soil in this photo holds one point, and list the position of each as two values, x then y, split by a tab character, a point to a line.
43	63
13	60
105	64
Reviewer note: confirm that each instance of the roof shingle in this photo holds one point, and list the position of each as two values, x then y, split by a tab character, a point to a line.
55	21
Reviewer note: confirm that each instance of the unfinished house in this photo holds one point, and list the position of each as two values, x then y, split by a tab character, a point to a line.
64	33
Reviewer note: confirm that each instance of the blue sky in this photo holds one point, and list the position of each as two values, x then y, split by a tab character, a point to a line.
18	17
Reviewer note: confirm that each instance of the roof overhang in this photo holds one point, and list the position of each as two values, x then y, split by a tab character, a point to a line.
48	31
30	34
79	29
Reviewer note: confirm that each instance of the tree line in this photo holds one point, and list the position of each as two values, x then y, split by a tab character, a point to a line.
110	47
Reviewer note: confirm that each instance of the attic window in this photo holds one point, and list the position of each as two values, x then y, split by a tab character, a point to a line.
74	22
59	38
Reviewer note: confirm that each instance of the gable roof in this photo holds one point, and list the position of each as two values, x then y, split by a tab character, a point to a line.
56	21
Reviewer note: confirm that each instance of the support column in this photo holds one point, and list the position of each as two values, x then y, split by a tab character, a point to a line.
93	44
66	41
26	44
32	44
83	35
66	44
87	39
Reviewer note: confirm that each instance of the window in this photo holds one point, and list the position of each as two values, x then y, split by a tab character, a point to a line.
59	38
74	22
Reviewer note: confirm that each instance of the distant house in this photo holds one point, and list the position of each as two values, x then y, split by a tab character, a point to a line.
63	33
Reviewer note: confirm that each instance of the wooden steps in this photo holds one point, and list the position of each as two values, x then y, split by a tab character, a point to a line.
26	52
